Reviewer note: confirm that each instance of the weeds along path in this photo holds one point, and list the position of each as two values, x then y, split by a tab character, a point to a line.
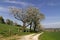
31	37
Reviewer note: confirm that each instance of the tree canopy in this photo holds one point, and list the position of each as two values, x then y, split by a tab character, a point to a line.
31	16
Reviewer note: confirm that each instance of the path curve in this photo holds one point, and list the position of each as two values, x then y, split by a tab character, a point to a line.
31	36
36	36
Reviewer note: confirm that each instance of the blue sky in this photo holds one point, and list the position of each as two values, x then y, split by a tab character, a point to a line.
50	8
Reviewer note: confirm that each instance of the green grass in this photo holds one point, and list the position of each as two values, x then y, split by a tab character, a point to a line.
50	36
8	30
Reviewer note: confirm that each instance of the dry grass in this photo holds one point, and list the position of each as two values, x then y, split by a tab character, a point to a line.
16	37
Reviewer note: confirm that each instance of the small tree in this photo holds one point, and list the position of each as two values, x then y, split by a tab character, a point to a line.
9	22
1	19
15	24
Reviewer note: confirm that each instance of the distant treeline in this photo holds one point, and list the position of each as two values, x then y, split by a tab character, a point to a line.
8	21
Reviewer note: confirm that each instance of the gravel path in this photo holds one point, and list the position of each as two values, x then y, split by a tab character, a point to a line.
31	37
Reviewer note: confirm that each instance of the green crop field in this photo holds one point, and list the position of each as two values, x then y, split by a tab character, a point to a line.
50	36
8	30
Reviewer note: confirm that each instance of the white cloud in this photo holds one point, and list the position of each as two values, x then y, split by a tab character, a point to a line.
53	3
3	9
19	2
54	23
53	17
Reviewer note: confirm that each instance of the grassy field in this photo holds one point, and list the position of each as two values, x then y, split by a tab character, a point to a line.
8	30
50	36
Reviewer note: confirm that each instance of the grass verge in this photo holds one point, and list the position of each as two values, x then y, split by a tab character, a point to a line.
50	36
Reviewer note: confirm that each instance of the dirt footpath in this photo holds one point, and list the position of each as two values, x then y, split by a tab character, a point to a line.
31	37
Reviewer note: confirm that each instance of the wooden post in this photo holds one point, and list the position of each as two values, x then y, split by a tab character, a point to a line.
9	31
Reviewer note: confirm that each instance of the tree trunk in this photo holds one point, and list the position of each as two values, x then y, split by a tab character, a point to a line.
30	26
24	27
34	27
